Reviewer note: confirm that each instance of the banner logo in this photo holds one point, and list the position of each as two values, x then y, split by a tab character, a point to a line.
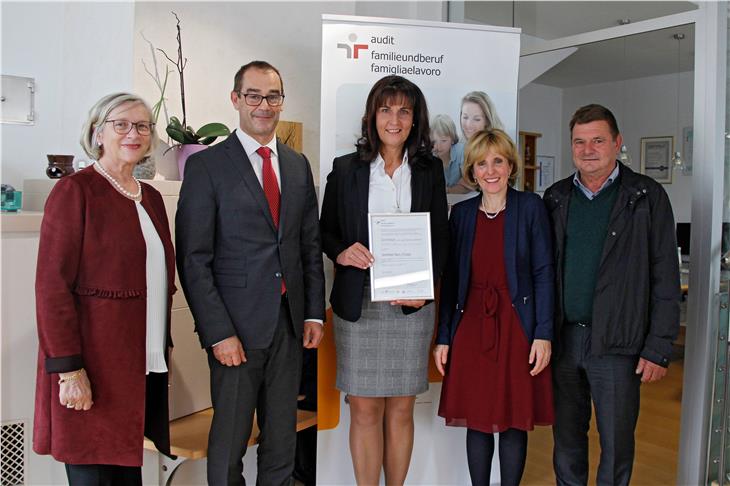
352	50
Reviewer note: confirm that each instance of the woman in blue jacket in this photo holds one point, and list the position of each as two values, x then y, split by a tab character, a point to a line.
496	313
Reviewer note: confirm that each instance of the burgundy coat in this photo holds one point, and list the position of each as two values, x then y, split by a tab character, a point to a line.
91	310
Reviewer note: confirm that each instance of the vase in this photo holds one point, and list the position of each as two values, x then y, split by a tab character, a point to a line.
161	163
145	169
185	151
59	166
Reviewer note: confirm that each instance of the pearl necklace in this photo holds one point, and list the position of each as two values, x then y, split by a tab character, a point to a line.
120	189
489	215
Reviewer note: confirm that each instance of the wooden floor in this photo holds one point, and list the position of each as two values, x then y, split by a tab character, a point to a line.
657	438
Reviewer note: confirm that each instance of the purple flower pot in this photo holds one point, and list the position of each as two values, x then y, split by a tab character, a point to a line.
185	151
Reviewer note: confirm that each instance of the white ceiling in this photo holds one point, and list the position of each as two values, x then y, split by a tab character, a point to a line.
637	56
642	55
552	20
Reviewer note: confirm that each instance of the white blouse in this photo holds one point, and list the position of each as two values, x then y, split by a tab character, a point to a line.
388	195
156	294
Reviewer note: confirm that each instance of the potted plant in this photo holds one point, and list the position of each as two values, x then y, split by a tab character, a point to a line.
188	139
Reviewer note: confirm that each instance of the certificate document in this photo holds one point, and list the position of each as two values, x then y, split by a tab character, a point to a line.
401	247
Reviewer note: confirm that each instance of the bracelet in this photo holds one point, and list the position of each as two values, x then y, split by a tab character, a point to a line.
72	377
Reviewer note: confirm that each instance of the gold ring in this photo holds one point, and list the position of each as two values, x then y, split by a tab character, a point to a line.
68	405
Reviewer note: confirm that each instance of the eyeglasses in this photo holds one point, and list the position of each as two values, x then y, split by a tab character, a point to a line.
253	99
123	127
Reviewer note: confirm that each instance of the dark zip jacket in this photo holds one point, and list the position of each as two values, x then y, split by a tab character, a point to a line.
637	294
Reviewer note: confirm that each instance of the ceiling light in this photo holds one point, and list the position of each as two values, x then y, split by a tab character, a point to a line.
624	156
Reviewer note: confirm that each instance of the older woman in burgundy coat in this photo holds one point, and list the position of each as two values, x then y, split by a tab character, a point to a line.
104	288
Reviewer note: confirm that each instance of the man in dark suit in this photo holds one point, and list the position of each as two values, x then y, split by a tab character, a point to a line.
250	264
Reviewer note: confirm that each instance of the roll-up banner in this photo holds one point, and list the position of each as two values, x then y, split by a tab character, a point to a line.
447	61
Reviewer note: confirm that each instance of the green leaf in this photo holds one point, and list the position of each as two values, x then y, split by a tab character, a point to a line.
182	136
205	136
175	123
191	135
213	130
175	134
156	110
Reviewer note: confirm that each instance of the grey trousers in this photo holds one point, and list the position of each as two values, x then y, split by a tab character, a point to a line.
611	382
267	383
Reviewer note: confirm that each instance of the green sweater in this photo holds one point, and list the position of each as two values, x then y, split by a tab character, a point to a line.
584	238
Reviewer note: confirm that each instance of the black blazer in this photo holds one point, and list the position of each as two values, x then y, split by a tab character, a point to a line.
230	256
344	222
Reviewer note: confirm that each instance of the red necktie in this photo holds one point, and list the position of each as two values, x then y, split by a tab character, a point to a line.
271	186
271	190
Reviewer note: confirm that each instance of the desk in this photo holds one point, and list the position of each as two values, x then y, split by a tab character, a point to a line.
189	439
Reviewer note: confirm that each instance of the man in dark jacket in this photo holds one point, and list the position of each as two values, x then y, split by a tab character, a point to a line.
618	292
250	261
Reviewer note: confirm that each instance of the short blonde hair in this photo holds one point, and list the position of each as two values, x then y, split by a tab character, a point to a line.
481	143
444	125
99	113
481	99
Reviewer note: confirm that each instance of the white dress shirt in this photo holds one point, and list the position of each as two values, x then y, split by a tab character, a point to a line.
250	146
386	194
156	272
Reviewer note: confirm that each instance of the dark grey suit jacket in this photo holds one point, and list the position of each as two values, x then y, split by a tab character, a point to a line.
230	256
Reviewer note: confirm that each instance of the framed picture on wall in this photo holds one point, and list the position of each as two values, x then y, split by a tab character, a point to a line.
656	158
545	172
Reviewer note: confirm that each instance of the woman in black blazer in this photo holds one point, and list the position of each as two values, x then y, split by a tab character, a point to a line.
382	348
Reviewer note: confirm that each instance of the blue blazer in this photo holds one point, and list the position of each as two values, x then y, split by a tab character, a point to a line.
528	258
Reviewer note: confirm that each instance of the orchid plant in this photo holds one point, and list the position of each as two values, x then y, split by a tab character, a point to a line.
179	130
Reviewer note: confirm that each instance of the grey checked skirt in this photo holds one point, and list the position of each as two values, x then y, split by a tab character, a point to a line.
385	353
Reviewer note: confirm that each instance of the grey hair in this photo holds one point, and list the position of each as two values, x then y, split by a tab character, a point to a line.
98	114
444	125
485	103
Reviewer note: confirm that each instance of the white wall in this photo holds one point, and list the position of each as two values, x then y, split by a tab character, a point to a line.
430	10
540	111
77	52
218	38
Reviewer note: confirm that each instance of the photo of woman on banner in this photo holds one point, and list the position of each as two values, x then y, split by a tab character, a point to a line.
496	313
392	171
477	113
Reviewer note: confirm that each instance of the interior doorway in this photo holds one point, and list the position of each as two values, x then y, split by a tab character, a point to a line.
646	80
